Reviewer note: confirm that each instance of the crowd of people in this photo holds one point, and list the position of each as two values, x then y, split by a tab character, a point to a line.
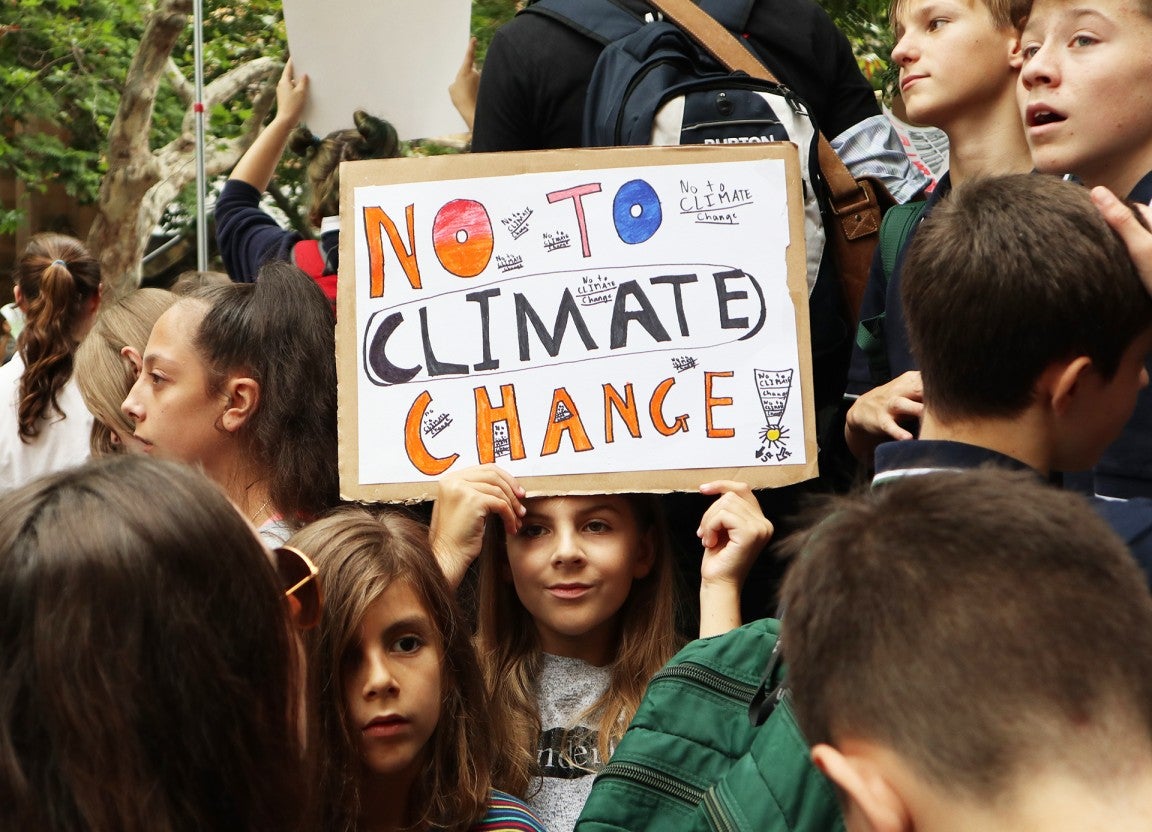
196	632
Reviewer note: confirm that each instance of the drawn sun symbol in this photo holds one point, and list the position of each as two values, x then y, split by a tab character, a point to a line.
774	436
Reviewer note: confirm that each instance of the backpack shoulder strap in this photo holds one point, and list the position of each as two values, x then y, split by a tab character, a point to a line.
603	21
897	224
871	333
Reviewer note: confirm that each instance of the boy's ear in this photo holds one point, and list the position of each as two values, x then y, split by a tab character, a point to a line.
1063	381
870	799
243	397
1015	56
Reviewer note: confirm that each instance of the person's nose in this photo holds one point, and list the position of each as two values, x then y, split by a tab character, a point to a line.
568	550
379	680
131	406
905	50
1041	68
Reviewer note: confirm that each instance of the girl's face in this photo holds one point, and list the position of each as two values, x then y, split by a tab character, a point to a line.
392	684
175	413
573	563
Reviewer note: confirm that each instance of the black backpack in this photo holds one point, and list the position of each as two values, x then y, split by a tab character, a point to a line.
653	85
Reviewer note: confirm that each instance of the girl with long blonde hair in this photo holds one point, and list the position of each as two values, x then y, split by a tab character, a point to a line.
109	361
577	611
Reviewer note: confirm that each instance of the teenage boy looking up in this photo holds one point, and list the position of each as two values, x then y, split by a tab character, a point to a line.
959	61
1031	326
973	651
1086	98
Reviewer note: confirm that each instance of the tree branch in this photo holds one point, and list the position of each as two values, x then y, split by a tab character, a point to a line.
291	209
185	89
129	132
257	70
232	82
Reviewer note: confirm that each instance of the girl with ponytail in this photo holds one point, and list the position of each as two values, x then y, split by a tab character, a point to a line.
44	425
240	380
247	236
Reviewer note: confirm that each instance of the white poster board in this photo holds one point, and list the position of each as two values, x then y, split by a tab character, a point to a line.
623	319
392	58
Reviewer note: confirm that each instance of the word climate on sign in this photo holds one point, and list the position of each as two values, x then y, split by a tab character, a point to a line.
567	322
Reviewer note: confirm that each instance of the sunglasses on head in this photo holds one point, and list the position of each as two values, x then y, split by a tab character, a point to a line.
301	581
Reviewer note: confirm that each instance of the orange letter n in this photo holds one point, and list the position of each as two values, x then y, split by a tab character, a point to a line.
374	220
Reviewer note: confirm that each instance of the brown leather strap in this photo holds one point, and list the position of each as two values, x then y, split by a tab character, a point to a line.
708	33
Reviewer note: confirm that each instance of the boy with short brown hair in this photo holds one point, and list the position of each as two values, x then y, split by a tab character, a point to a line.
1085	95
1032	328
973	651
959	61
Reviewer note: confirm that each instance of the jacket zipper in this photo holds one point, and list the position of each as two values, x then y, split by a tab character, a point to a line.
655	780
673	786
718	815
708	678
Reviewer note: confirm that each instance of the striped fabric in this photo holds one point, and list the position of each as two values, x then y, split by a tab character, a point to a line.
507	814
872	148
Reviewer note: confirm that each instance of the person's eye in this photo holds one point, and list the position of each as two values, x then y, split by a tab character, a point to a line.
532	530
1084	40
407	644
156	378
935	23
1029	51
597	526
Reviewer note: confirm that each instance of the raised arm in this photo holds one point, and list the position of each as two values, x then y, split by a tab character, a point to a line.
464	500
733	531
259	162
465	85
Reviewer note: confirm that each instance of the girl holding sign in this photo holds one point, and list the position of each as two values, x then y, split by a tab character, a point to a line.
404	727
240	379
577	612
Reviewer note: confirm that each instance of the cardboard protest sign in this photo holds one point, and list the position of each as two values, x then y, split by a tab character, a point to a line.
625	319
393	58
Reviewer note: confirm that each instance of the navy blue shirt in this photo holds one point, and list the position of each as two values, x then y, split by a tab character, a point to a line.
1124	469
248	237
1130	519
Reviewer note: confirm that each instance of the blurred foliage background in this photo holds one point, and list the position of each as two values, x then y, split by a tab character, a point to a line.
865	22
62	65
